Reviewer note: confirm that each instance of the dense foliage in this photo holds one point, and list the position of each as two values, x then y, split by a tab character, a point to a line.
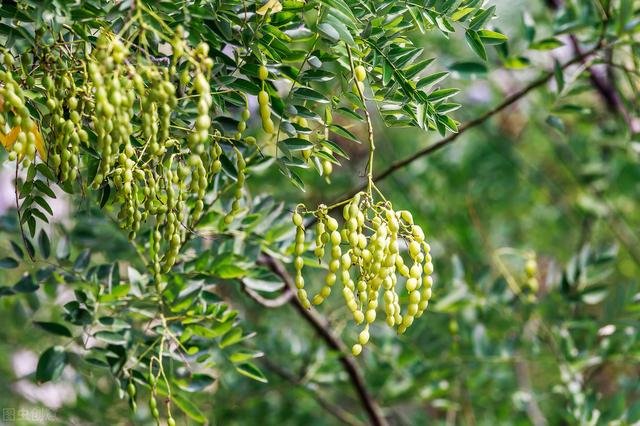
203	149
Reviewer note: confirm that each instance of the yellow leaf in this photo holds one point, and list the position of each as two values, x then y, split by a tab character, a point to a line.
274	5
10	138
39	142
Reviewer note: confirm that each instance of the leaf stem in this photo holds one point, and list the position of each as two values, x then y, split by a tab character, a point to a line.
372	146
24	238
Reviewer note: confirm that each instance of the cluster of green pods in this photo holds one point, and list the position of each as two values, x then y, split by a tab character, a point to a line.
367	252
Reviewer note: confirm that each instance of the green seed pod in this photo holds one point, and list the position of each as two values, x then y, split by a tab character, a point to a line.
8	59
263	73
363	337
153	404
327	167
131	390
268	126
531	267
356	349
297	219
263	98
414	248
360	73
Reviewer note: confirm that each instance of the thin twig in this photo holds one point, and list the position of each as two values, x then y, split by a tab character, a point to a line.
621	67
603	85
608	92
372	146
337	411
524	383
285	297
24	238
513	98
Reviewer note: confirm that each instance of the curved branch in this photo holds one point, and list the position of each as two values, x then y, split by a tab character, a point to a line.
284	298
338	412
603	83
321	327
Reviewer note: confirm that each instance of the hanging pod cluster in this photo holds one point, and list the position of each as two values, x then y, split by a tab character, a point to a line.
320	145
126	108
153	401
62	93
21	140
366	254
264	102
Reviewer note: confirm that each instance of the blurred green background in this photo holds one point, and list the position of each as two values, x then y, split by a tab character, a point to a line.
539	180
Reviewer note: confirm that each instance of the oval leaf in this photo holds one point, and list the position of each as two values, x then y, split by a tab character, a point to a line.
51	364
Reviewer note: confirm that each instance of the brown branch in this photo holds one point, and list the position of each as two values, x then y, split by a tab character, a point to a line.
621	67
22	234
284	298
524	383
337	411
322	328
607	91
601	81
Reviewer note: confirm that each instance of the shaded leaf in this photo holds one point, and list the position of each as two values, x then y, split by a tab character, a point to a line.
8	263
26	284
110	337
252	371
546	44
474	41
51	364
54	328
44	244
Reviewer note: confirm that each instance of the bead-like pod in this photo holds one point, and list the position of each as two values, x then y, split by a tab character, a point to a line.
365	249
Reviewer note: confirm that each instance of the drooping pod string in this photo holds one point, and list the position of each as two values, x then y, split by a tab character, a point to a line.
298	262
334	263
241	166
264	102
365	254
